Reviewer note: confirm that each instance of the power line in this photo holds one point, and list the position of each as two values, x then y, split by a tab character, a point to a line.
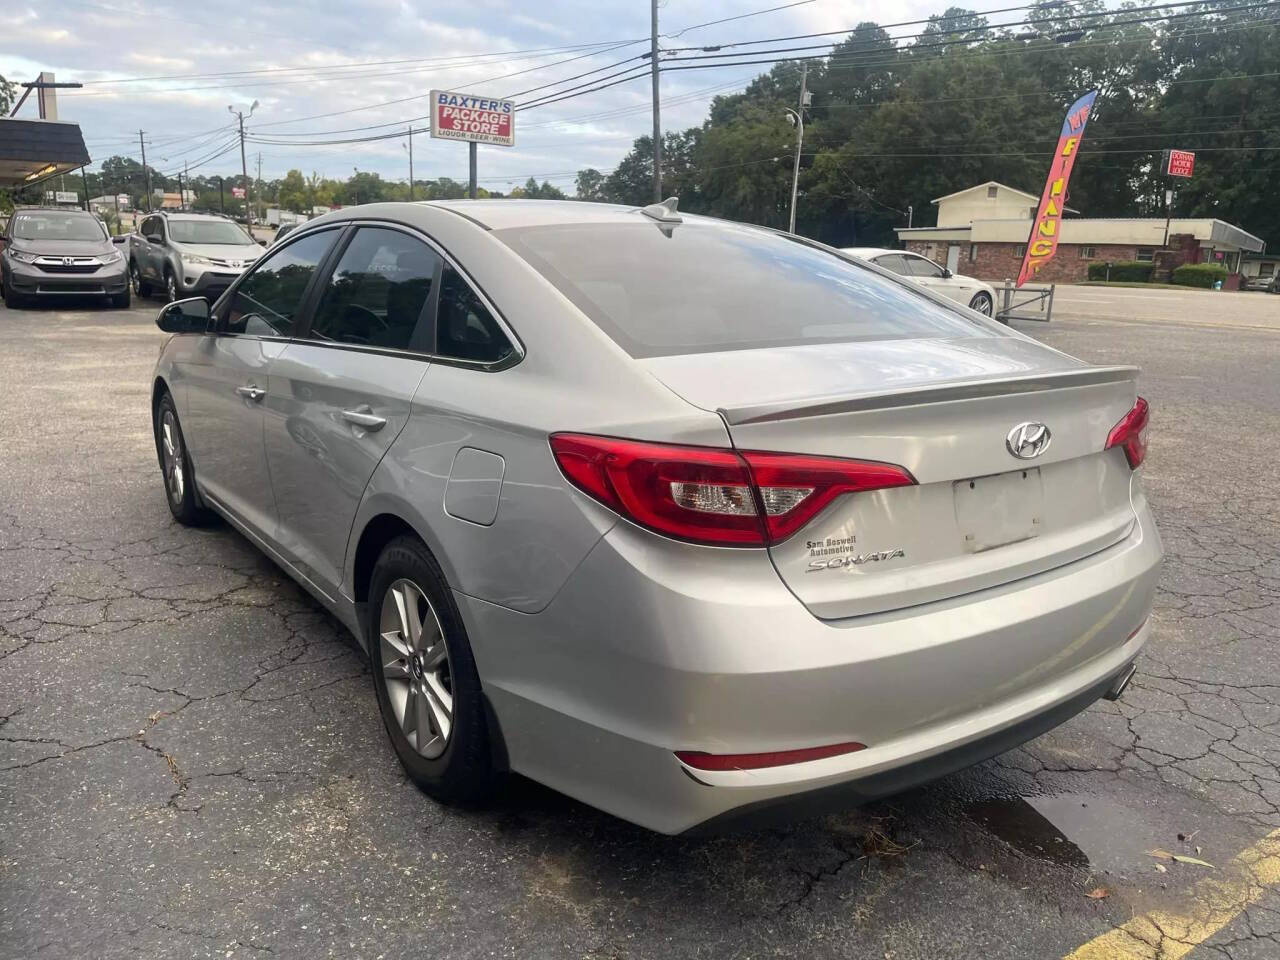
467	58
976	13
902	61
741	16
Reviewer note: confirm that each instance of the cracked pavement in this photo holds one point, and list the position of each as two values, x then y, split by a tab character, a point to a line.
192	764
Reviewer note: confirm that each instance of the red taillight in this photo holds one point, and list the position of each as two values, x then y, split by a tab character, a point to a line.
1130	433
755	761
711	495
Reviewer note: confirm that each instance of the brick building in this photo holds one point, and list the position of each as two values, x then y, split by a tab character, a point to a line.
982	232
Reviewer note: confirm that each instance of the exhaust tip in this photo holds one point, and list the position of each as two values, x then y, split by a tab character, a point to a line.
1118	688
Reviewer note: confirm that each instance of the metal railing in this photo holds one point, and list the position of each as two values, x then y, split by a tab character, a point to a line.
1025	303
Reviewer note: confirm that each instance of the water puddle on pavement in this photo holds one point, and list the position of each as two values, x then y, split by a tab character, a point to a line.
1071	829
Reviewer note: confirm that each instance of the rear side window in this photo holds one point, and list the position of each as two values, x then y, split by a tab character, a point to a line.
465	328
709	286
920	267
269	297
377	292
894	262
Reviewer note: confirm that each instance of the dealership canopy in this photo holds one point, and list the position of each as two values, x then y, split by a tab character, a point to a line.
34	150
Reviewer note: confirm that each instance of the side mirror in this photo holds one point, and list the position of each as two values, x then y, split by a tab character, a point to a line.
262	243
151	237
184	316
946	273
122	239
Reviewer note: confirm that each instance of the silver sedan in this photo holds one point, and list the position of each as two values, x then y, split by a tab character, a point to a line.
690	520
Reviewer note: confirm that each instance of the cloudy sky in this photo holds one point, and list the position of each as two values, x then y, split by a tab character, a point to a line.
319	69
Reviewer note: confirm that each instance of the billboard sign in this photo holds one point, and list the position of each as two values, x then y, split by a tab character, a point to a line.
238	192
61	196
1179	163
463	116
1042	244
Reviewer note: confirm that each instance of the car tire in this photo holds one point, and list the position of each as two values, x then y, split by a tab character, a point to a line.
12	299
982	303
430	681
170	286
122	300
140	286
175	467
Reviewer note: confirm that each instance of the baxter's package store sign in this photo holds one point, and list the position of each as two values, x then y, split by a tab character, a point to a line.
463	116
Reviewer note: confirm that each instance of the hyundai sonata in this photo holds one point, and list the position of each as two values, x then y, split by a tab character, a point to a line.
684	518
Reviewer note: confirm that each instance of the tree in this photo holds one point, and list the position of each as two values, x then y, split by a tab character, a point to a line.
590	185
8	93
292	192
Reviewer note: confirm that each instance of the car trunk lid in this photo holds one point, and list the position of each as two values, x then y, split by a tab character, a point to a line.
978	516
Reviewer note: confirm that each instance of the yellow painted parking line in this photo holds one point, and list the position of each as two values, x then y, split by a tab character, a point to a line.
1219	898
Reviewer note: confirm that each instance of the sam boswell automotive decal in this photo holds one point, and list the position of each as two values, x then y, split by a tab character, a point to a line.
833	553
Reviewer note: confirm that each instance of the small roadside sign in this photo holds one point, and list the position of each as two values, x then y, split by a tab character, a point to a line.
1179	163
238	192
464	116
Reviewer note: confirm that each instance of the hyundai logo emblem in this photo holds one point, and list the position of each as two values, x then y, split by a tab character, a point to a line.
1028	440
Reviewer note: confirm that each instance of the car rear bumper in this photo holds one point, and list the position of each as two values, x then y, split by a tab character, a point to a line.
31	281
653	647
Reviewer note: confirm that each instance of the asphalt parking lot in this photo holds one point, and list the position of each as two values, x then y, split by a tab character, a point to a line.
192	763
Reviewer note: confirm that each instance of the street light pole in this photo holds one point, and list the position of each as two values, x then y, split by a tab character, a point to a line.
798	117
657	117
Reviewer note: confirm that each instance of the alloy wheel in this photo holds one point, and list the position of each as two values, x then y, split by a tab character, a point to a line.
982	303
415	668
135	279
171	287
175	480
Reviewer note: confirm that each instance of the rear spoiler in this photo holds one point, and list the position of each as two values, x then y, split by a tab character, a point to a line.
926	393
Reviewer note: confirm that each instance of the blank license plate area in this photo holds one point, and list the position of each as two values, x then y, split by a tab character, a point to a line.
993	511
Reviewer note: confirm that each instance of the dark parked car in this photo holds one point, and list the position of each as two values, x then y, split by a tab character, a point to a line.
60	253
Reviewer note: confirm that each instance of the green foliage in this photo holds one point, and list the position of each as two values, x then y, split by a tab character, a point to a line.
1199	274
1127	271
893	126
8	93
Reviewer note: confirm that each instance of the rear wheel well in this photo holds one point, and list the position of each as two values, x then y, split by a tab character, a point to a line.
377	533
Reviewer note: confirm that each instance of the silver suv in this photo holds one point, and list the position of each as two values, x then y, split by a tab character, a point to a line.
188	254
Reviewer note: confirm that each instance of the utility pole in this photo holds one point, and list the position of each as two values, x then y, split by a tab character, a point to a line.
258	186
411	164
471	157
798	116
145	169
85	177
910	211
244	166
222	208
657	118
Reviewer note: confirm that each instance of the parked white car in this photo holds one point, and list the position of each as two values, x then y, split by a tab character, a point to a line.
967	290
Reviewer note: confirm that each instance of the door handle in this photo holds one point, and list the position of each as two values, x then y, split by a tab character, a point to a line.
365	418
252	391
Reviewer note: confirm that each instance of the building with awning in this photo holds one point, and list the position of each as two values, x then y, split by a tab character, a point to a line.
32	151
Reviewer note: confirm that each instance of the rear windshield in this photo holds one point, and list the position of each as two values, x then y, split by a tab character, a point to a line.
709	286
57	226
208	231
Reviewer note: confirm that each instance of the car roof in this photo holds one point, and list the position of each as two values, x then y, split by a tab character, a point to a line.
61	211
868	252
501	214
